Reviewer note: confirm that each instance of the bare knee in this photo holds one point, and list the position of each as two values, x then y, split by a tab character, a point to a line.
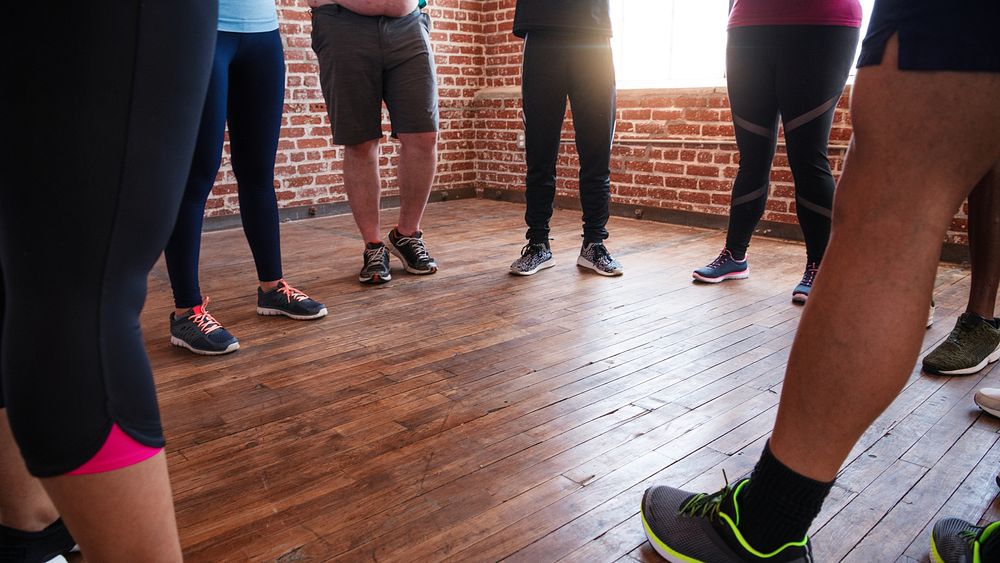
362	152
425	143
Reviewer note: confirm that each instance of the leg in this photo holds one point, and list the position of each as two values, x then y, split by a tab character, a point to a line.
256	102
592	99
118	190
184	247
544	88
363	186
24	505
417	163
984	244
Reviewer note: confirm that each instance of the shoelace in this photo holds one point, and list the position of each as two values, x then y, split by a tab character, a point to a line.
531	245
415	245
724	257
375	256
205	322
290	292
706	505
810	276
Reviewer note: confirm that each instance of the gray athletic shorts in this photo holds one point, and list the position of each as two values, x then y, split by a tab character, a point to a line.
364	60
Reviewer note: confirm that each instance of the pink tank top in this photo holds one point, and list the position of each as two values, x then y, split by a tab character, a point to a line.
795	12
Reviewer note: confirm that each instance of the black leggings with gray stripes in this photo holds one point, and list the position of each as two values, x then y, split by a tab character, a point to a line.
796	72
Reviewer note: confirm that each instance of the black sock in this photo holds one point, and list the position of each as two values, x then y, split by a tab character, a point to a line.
778	505
738	255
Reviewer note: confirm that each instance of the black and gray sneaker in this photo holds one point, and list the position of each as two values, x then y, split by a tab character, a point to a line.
288	301
535	256
411	252
376	268
973	344
199	332
596	257
688	527
49	544
956	541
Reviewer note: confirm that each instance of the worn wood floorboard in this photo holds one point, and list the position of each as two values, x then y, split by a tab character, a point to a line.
475	416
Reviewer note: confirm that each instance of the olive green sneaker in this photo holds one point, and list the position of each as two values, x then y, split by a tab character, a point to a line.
956	541
972	345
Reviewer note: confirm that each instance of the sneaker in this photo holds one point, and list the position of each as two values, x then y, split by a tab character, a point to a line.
725	267
596	257
534	256
199	332
376	268
49	544
988	399
930	315
801	291
288	301
972	345
688	527
411	252
957	541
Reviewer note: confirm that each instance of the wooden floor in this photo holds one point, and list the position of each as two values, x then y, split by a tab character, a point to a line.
475	416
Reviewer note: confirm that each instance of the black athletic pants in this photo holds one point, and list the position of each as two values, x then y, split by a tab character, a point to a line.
580	68
797	73
99	116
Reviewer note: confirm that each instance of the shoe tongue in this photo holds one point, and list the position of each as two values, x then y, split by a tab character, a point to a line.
373	245
989	547
197	310
971	319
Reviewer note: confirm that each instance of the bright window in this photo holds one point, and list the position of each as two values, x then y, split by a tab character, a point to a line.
673	43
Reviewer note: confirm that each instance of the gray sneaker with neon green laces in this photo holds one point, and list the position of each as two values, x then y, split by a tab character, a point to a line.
956	541
688	527
972	345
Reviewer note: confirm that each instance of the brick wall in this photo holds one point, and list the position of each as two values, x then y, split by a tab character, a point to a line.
674	149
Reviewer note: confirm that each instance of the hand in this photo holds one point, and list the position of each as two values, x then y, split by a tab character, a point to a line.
390	8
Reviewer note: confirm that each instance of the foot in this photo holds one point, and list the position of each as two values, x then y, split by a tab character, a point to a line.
973	344
988	399
288	301
801	291
535	256
199	332
411	252
957	541
49	544
376	264
687	527
725	267
596	257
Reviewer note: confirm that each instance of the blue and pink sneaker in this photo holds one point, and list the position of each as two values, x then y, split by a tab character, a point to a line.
801	292
725	267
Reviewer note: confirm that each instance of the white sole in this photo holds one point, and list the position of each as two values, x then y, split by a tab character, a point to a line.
976	368
406	265
268	312
584	263
181	344
544	265
734	276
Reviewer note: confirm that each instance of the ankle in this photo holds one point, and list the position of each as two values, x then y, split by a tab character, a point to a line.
266	286
30	520
738	255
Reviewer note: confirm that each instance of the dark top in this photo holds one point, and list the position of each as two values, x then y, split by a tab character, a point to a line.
572	17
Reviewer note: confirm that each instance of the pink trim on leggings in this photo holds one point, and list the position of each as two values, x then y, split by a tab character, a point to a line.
119	450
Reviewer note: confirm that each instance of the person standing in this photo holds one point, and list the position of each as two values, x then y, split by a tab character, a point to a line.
372	51
247	91
787	59
567	54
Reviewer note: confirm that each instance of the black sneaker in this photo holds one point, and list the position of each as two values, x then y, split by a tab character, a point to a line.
199	332
376	268
411	252
683	526
288	301
49	544
596	257
535	256
956	541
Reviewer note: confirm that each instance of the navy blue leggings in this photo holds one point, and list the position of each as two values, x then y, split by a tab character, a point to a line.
247	88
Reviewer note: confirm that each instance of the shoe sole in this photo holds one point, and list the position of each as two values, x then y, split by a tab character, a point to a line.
181	344
660	547
544	265
268	312
406	265
584	263
994	356
375	280
730	276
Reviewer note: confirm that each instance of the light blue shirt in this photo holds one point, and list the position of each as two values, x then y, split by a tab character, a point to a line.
247	16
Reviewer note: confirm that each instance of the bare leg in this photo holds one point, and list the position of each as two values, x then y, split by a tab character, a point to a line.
417	164
984	244
363	186
122	515
23	502
909	168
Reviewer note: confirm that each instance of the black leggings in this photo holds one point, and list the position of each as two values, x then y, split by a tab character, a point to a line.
797	72
99	121
247	88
